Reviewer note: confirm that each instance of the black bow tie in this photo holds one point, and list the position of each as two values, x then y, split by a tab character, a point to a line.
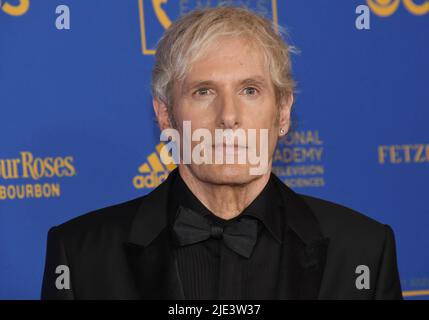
191	227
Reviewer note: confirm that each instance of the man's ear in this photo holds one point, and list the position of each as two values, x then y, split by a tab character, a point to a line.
161	113
284	115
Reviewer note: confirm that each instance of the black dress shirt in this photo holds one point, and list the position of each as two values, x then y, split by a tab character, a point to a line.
210	270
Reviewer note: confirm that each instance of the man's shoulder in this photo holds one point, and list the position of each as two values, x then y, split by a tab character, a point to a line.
339	221
110	221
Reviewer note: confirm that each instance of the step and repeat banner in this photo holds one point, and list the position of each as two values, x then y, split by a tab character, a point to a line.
77	129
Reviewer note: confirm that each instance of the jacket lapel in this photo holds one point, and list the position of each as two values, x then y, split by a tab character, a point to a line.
304	249
154	266
149	250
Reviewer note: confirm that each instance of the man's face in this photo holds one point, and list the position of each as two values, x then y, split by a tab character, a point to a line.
229	87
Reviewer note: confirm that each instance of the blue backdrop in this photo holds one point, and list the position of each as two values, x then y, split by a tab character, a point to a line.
77	130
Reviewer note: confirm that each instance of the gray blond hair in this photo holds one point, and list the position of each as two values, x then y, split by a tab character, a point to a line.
184	42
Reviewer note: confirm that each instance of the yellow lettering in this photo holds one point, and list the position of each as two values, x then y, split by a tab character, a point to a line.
29	190
68	161
59	164
2	193
27	159
10	192
419	151
55	189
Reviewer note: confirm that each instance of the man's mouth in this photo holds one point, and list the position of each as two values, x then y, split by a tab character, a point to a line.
229	148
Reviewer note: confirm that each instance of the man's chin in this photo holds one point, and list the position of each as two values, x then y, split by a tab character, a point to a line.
230	174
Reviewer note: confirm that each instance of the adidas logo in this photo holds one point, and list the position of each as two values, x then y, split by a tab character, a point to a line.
153	172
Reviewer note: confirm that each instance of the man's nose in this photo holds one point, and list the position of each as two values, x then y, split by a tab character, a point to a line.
229	114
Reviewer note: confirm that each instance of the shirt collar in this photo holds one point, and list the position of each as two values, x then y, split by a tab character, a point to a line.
266	207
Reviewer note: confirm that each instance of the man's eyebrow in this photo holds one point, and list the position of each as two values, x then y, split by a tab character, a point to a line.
254	80
250	80
198	83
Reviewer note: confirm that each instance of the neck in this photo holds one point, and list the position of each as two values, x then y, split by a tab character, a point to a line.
225	200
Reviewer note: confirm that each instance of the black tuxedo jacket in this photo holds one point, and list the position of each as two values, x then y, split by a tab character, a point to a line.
124	252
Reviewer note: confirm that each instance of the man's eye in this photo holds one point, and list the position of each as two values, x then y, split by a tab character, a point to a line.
202	91
251	91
